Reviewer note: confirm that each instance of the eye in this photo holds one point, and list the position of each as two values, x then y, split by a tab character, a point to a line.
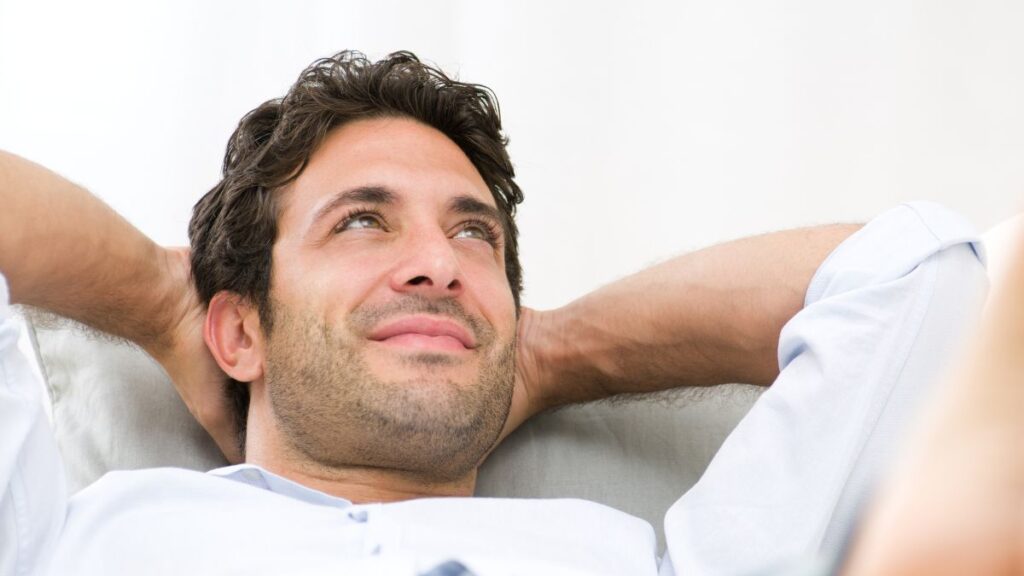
477	230
472	231
362	220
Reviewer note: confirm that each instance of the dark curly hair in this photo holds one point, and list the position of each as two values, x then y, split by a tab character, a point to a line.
234	226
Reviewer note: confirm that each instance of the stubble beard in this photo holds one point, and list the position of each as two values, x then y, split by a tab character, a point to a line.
337	413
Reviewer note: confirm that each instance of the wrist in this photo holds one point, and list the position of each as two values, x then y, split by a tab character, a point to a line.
564	371
171	302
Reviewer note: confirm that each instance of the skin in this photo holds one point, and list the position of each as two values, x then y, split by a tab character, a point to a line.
338	256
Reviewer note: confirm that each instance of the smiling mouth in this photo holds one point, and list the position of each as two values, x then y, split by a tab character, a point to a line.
424	342
425	333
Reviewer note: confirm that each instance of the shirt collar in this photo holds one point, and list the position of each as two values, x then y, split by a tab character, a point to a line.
253	475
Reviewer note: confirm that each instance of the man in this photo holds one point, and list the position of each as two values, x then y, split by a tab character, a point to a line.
357	279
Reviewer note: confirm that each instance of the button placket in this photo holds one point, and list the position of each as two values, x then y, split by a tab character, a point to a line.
375	524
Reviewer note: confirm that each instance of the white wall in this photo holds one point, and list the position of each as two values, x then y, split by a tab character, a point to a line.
639	129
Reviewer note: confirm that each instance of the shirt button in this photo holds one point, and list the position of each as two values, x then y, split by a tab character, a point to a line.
358	516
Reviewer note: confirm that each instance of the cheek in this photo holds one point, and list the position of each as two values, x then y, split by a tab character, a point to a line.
345	283
490	289
330	284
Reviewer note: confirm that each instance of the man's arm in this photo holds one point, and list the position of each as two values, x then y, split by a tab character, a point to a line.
64	250
708	317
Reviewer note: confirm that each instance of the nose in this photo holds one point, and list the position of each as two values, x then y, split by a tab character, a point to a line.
428	267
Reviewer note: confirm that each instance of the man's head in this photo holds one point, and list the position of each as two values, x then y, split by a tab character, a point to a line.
360	262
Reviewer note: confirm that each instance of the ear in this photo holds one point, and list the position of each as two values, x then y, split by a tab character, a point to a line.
233	335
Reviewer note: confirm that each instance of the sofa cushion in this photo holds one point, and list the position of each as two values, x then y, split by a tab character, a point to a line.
114	408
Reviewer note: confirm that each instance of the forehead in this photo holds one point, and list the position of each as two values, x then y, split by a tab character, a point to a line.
418	163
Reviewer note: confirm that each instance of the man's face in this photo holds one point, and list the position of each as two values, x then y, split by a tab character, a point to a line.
394	324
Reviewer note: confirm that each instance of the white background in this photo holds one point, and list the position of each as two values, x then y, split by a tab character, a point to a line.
639	129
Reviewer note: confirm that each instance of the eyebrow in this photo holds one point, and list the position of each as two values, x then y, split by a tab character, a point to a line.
471	206
381	195
360	195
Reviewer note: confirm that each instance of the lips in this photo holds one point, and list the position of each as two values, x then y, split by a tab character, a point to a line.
424	332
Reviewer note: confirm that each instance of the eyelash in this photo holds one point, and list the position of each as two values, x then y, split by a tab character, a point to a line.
491	230
352	215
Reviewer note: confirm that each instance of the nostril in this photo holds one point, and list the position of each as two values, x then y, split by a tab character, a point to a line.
419	280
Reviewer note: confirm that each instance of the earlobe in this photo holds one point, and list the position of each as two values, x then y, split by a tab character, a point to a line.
233	336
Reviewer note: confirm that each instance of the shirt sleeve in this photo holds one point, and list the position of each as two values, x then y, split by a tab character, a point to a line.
883	314
33	492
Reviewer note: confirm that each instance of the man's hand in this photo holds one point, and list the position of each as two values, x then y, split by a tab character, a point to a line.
532	379
185	357
543	378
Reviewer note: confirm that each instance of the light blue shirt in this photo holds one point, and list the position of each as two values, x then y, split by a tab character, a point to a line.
785	484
